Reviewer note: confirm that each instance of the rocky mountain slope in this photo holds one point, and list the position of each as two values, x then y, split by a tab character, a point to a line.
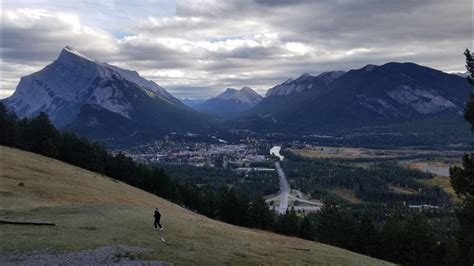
373	95
230	102
100	100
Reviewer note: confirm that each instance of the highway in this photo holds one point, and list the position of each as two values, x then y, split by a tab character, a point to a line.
284	189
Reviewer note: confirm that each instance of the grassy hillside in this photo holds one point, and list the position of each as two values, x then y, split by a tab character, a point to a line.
91	210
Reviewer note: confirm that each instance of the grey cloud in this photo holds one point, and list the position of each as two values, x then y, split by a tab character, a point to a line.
198	40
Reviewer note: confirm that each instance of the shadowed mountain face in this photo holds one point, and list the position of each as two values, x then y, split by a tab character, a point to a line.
373	95
230	102
100	100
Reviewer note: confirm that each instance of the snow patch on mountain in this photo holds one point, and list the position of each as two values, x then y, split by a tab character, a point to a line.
302	83
145	84
72	80
245	95
377	105
112	99
329	77
422	100
76	52
369	67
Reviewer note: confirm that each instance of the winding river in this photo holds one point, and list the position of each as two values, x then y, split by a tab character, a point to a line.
275	151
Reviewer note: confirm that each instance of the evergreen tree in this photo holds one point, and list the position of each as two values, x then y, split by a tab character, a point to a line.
367	235
462	180
234	208
470	65
288	223
391	239
42	137
307	230
9	131
336	227
261	216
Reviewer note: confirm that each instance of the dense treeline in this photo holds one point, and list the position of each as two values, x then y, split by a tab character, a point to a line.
370	184
408	239
38	135
253	184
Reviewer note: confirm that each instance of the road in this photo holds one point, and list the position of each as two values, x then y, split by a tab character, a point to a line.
305	201
284	189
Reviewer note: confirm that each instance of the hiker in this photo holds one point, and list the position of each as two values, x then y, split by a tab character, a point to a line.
157	219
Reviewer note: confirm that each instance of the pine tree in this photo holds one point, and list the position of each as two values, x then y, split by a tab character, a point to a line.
9	131
307	230
391	237
462	180
336	227
419	242
288	223
367	235
470	65
42	136
261	216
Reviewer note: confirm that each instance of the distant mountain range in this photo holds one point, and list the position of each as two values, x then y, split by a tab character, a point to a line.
371	96
99	100
102	101
191	102
230	102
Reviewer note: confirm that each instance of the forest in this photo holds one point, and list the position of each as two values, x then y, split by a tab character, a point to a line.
406	237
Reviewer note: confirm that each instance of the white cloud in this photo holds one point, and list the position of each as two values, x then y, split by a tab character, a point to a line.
206	46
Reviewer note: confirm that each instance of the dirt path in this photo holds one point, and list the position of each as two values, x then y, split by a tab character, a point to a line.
116	254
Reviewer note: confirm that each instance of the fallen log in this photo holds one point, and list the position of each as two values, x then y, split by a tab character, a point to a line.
300	249
26	223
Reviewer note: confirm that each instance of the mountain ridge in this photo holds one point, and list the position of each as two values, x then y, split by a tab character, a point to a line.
372	95
230	102
64	89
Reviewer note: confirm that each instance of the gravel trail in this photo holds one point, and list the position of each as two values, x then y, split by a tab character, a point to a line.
106	255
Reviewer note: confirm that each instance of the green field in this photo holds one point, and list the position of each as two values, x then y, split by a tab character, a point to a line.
92	210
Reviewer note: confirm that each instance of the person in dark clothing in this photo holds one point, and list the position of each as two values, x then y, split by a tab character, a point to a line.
157	219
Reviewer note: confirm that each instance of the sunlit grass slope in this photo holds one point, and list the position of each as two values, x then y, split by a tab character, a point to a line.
92	210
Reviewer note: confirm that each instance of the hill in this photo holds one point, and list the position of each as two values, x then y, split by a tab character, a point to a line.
91	211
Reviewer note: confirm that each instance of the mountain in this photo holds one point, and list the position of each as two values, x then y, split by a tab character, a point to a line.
105	212
371	96
304	82
461	74
100	100
295	92
230	102
191	102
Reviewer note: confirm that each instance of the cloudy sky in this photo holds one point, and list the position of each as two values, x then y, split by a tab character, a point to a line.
197	48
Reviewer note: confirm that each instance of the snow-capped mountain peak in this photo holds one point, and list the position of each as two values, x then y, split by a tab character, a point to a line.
72	80
231	101
69	49
245	95
303	82
227	94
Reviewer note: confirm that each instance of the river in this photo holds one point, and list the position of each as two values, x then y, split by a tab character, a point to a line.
275	151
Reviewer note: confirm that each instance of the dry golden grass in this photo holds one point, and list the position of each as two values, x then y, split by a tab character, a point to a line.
347	195
438	180
324	152
91	210
442	182
402	190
